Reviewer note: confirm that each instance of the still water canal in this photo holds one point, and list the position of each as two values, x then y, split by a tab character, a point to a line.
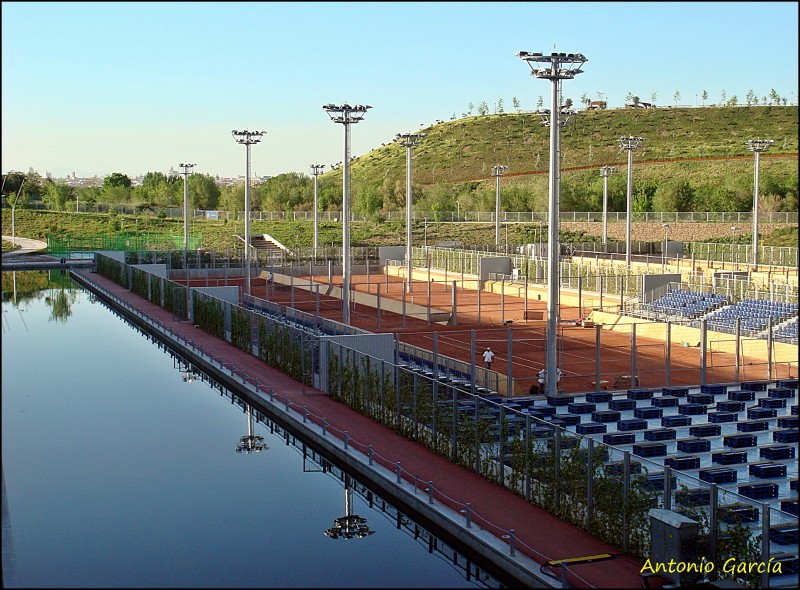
120	470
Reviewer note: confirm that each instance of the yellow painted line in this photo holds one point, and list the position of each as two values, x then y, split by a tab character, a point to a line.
575	560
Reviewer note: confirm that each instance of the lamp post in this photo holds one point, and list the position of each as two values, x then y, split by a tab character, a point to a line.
185	173
346	115
497	172
408	140
629	143
316	170
757	146
734	229
554	67
666	242
605	172
247	138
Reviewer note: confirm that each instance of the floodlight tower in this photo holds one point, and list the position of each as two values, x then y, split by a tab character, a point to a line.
629	143
497	172
554	67
408	140
349	526
247	138
605	172
757	146
316	170
185	173
252	443
346	115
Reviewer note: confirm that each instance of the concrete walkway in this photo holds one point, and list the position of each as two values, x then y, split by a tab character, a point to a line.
26	246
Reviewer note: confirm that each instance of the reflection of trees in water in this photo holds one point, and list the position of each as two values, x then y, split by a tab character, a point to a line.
28	284
55	286
61	300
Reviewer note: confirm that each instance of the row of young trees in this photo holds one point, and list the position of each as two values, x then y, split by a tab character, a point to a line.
752	99
295	192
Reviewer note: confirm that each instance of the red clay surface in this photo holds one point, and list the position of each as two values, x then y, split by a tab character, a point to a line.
549	537
577	345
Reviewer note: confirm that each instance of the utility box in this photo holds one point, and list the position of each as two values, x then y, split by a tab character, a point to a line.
673	539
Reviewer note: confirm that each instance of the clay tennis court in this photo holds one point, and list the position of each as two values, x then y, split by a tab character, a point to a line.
518	343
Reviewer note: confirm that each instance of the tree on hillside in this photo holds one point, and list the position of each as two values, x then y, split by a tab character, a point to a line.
677	97
515	103
732	101
55	194
539	103
704	96
12	181
723	101
483	108
153	179
629	97
470	108
751	98
203	191
20	188
676	195
286	191
585	100
774	97
653	98
117	179
87	195
232	198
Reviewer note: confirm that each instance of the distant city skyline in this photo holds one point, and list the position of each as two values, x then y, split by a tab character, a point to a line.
96	88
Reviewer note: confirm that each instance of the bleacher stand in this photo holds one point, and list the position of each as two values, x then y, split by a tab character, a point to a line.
685	304
753	316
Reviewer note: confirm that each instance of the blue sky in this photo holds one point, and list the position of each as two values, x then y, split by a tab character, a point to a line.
132	87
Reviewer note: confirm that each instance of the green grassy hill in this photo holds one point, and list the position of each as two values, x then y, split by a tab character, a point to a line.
706	148
466	149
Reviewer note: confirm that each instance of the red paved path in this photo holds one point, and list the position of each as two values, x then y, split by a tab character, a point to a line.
545	533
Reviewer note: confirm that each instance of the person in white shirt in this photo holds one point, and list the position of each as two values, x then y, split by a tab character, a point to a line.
543	377
488	355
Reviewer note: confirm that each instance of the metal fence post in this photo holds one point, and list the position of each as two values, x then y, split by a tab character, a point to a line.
703	346
626	484
527	458
597	329
589	479
765	518
769	347
667	487
738	330
712	522
557	468
510	375
668	351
